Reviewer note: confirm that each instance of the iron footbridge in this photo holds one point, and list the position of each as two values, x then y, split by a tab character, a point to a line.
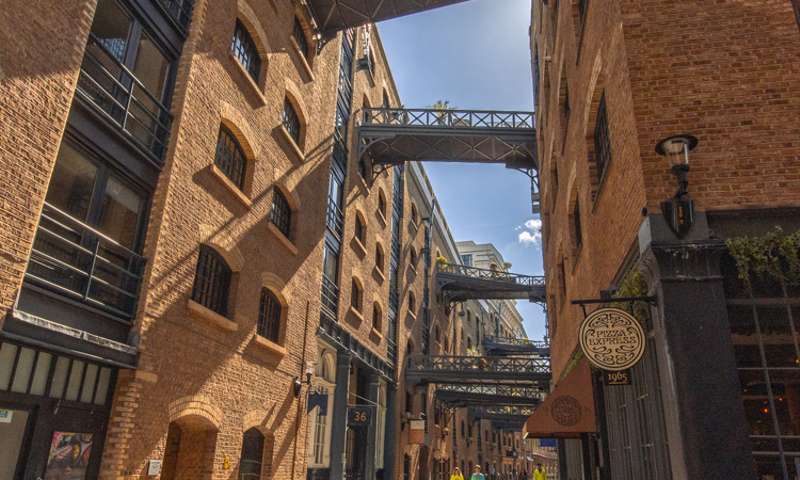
515	346
459	396
478	370
457	283
507	417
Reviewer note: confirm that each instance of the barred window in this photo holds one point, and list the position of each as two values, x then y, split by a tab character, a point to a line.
269	316
281	214
291	122
244	49
230	157
252	455
602	140
212	281
299	36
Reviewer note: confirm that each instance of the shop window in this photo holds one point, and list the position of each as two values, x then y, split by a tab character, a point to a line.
212	281
244	50
281	213
252	454
270	313
291	122
230	158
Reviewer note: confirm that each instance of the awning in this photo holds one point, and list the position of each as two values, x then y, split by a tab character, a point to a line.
568	410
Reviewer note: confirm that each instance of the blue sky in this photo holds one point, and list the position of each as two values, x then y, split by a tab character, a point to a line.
476	55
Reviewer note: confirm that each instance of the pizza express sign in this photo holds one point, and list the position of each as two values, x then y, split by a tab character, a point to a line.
612	339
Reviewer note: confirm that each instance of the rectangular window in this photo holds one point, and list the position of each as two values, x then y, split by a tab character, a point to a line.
244	50
466	260
602	140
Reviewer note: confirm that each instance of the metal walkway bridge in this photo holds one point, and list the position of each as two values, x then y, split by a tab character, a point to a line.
503	417
515	346
391	136
478	370
458	283
456	396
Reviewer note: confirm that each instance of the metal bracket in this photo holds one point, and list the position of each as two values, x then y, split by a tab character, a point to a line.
608	299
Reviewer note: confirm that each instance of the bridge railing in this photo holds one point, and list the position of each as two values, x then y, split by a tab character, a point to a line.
494	390
523	342
488	274
483	364
433	118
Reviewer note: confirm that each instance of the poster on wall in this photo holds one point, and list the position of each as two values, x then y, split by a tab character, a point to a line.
69	456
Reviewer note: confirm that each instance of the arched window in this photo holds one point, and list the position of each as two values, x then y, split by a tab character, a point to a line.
244	49
382	203
360	230
412	303
299	36
356	296
377	317
412	256
281	214
252	455
414	214
230	158
291	121
212	281
379	257
269	316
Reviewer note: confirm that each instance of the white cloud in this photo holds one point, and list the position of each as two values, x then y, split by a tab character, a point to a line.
530	233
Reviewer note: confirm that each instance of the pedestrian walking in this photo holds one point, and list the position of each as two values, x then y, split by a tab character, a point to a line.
539	473
456	474
476	473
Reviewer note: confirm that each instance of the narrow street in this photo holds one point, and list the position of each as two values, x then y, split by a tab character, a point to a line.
400	240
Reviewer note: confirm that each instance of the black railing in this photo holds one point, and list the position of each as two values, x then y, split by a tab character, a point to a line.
427	117
123	99
330	298
483	364
334	218
488	274
494	390
522	342
80	262
179	11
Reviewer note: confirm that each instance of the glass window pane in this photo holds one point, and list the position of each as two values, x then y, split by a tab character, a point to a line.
72	183
88	383
7	353
252	453
103	382
75	375
151	67
119	218
24	368
39	384
59	377
111	26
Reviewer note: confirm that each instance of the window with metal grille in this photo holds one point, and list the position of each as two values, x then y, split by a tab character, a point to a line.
281	214
356	296
269	316
244	49
299	36
252	455
360	230
291	122
230	157
212	281
602	140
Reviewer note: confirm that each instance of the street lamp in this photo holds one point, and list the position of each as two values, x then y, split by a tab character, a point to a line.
678	210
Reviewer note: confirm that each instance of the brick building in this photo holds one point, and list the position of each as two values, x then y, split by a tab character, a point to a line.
715	395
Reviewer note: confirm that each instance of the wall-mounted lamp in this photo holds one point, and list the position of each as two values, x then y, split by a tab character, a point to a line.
298	383
678	210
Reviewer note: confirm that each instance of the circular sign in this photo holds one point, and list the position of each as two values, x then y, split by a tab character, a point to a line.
612	339
566	410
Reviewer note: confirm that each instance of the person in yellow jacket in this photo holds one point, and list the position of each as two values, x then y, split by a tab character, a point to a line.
456	474
539	473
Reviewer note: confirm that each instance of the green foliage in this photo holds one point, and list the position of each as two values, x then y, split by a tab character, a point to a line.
633	285
774	255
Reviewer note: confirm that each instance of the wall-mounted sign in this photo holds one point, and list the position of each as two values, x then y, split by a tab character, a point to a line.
6	415
622	377
612	339
359	416
153	467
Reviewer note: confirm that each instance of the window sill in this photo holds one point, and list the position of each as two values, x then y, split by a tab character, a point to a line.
270	347
199	311
292	144
282	238
262	100
381	218
378	274
303	59
353	313
231	187
359	247
375	335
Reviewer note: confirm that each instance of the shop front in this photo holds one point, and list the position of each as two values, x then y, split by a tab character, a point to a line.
53	414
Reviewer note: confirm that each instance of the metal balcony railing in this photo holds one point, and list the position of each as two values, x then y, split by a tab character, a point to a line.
334	218
330	298
179	11
515	341
124	100
482	365
77	261
450	119
494	275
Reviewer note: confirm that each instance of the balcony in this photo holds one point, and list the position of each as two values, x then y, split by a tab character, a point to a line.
78	262
330	298
116	94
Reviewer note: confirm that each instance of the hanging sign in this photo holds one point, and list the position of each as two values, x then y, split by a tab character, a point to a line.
612	339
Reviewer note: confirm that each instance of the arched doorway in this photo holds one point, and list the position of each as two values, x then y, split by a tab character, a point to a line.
189	452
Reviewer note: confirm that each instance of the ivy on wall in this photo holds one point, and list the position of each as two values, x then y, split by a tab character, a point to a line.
774	255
